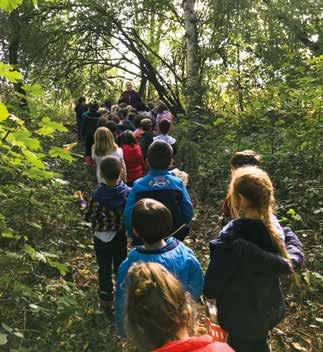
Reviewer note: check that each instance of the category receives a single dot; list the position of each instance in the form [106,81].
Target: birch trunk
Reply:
[193,91]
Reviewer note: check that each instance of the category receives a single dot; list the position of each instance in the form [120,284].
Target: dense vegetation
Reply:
[238,74]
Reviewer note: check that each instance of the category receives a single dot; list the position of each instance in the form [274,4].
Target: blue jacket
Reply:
[166,188]
[175,257]
[243,277]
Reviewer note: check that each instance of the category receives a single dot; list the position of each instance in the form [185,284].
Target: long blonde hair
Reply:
[157,306]
[104,143]
[255,186]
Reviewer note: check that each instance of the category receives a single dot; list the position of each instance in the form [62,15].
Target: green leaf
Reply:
[9,5]
[34,90]
[34,159]
[57,152]
[23,139]
[35,173]
[62,268]
[18,334]
[3,339]
[4,114]
[9,73]
[48,127]
[34,307]
[7,328]
[219,122]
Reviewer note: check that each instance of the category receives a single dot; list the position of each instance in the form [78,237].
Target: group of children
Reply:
[159,280]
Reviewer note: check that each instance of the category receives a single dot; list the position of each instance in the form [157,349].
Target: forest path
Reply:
[291,335]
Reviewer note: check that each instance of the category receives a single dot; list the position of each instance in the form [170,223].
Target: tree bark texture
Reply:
[193,91]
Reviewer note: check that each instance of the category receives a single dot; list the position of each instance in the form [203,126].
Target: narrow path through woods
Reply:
[206,226]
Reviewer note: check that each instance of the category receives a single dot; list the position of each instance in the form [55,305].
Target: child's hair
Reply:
[128,137]
[115,118]
[132,116]
[157,306]
[123,105]
[122,113]
[81,100]
[255,186]
[160,155]
[151,220]
[104,142]
[164,126]
[103,111]
[94,106]
[161,107]
[112,126]
[150,105]
[146,125]
[138,119]
[110,168]
[103,120]
[114,109]
[245,158]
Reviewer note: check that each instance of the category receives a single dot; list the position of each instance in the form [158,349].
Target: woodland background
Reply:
[237,73]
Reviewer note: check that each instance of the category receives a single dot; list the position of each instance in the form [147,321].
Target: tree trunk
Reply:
[193,82]
[13,50]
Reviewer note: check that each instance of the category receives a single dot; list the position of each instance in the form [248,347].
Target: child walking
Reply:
[160,315]
[134,161]
[152,222]
[293,244]
[164,128]
[163,186]
[147,137]
[105,145]
[105,212]
[243,280]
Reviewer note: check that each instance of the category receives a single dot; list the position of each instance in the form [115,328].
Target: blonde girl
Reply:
[105,145]
[159,313]
[246,262]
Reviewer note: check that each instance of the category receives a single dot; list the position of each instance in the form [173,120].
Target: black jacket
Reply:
[243,277]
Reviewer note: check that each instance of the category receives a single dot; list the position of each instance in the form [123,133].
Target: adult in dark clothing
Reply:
[80,108]
[89,127]
[131,97]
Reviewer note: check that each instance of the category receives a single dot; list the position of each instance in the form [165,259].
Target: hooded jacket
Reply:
[134,161]
[175,257]
[105,209]
[166,188]
[195,344]
[243,277]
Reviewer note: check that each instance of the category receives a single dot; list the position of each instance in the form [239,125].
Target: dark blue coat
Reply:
[243,277]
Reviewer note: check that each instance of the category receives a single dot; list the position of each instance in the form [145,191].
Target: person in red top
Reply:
[133,158]
[159,313]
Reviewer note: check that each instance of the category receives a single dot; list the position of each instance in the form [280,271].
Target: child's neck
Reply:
[157,245]
[250,214]
[111,183]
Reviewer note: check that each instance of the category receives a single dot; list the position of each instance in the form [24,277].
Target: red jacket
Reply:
[134,162]
[195,344]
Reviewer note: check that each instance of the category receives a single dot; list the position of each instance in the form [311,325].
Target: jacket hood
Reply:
[250,230]
[111,196]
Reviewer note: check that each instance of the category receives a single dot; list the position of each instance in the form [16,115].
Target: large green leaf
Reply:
[9,73]
[57,152]
[48,127]
[4,114]
[23,139]
[9,5]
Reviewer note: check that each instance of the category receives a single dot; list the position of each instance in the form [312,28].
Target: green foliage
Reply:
[9,5]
